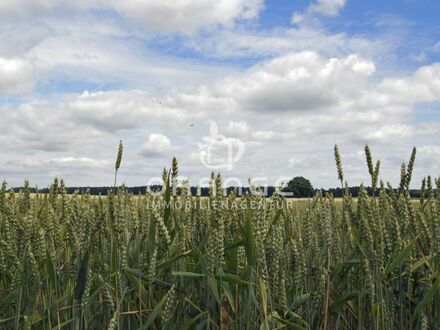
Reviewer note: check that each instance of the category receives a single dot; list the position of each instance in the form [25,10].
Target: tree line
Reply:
[299,187]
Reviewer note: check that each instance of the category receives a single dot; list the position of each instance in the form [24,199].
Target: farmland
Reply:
[148,262]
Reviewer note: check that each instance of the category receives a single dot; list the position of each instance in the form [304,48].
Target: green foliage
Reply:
[300,187]
[140,262]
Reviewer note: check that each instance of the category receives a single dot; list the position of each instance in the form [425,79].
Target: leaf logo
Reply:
[219,152]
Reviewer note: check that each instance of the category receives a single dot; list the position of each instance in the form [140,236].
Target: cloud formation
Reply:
[320,8]
[157,144]
[16,76]
[292,101]
[185,16]
[156,75]
[327,7]
[300,82]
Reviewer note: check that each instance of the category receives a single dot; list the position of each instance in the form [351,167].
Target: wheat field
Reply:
[223,262]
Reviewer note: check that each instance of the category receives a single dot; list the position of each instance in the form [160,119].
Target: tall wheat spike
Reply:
[224,262]
[118,160]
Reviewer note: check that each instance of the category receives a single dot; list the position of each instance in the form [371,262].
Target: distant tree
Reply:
[300,187]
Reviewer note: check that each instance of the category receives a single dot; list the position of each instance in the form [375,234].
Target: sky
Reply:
[277,82]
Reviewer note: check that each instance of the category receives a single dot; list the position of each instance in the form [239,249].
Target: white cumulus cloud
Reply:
[156,145]
[299,82]
[327,7]
[16,76]
[185,16]
[422,86]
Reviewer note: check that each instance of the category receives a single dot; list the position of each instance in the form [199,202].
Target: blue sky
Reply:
[288,79]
